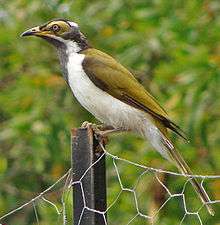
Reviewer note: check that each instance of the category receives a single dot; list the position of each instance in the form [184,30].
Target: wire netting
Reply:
[138,210]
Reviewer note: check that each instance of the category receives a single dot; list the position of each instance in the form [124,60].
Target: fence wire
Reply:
[61,211]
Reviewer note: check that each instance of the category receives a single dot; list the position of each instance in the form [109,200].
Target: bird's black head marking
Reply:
[60,32]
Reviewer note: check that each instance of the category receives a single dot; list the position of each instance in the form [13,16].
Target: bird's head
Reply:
[60,33]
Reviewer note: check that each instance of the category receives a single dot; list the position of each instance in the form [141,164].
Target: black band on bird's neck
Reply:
[77,37]
[83,44]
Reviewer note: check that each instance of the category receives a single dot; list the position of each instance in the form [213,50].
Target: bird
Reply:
[110,92]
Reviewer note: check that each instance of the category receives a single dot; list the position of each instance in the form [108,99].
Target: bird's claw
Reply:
[99,131]
[102,131]
[94,126]
[98,134]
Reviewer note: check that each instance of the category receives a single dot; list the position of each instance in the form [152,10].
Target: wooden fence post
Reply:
[86,152]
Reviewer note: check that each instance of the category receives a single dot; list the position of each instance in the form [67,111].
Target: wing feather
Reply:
[110,76]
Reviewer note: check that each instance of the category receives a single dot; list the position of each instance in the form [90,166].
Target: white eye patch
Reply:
[72,24]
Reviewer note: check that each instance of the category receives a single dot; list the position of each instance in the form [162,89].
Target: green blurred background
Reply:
[172,47]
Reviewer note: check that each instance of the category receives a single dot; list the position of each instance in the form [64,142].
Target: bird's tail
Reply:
[184,168]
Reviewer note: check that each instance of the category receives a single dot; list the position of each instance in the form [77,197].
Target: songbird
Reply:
[111,93]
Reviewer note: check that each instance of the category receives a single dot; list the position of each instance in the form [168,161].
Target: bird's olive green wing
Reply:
[113,78]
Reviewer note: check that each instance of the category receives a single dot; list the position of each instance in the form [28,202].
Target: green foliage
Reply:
[175,45]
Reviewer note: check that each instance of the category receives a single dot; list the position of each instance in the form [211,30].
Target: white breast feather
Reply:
[106,108]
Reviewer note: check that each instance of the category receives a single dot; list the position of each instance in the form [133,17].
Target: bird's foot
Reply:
[98,134]
[102,135]
[94,126]
[97,127]
[105,131]
[85,124]
[102,131]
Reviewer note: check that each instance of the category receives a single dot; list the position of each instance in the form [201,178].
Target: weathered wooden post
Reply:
[85,152]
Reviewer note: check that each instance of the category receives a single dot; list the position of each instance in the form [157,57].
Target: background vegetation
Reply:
[172,46]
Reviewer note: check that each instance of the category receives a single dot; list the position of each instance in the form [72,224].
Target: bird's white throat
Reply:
[72,47]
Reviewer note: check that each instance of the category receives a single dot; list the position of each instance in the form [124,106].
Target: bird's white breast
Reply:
[103,106]
[106,108]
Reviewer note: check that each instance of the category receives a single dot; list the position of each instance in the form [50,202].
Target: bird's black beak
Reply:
[36,31]
[31,32]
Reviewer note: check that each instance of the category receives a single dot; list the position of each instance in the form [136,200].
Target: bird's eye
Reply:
[55,28]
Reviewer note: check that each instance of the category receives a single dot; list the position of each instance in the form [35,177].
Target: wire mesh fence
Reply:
[142,212]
